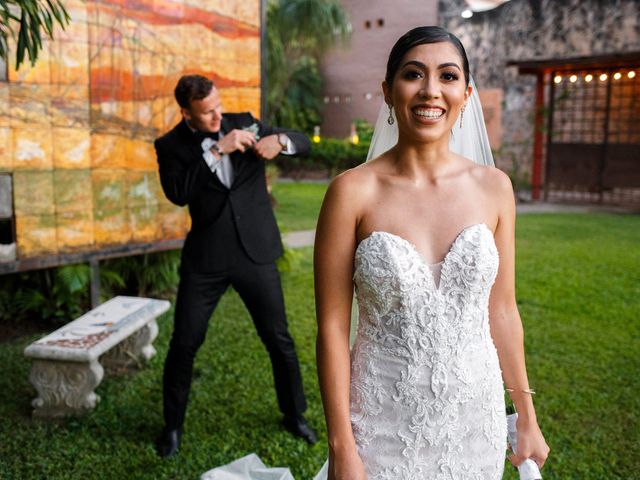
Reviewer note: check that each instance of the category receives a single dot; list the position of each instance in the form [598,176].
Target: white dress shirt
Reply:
[222,167]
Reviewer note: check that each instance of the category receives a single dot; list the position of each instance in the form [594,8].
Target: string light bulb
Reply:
[631,74]
[617,76]
[588,78]
[573,78]
[557,79]
[603,77]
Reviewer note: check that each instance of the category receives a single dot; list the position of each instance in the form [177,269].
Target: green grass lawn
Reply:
[298,204]
[579,295]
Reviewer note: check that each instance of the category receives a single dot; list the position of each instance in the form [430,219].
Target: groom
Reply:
[215,164]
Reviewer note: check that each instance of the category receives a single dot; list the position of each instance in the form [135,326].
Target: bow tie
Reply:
[202,135]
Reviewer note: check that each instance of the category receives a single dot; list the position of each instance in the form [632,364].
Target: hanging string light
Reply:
[588,78]
[573,78]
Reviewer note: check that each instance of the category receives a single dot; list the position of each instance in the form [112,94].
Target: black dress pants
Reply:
[198,294]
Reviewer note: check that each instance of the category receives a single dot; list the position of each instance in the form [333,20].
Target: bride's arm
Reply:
[333,271]
[507,331]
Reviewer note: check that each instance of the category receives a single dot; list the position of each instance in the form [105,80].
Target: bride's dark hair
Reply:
[421,36]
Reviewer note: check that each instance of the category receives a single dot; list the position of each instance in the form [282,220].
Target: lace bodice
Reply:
[426,390]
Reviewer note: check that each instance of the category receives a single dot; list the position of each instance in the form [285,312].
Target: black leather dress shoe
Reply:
[168,442]
[299,427]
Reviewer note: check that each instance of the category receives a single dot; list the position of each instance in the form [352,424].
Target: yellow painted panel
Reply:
[32,149]
[74,231]
[108,151]
[29,105]
[71,148]
[111,227]
[36,235]
[70,106]
[6,156]
[40,72]
[173,222]
[140,155]
[144,223]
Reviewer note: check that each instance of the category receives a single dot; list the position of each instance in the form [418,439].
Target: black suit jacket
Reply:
[187,180]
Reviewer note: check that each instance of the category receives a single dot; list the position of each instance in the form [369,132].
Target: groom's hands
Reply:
[241,140]
[268,147]
[236,140]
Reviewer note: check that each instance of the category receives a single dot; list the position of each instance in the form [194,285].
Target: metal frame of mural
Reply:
[586,142]
[77,128]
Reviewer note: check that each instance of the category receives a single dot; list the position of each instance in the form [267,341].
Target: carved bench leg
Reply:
[133,351]
[64,388]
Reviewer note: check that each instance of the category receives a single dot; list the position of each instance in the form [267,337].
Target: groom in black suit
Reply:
[214,163]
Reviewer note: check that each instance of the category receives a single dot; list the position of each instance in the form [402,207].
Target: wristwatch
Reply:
[283,140]
[217,148]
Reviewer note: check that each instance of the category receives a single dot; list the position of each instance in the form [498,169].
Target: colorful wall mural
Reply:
[77,128]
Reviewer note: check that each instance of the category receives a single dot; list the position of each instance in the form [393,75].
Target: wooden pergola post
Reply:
[538,138]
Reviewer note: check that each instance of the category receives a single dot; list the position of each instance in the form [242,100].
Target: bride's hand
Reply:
[531,444]
[346,466]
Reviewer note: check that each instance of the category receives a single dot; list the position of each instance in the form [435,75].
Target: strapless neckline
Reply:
[442,262]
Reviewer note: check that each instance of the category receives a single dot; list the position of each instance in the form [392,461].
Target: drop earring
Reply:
[390,120]
[461,115]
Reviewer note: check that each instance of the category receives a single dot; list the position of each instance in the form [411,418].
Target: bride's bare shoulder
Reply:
[492,180]
[357,183]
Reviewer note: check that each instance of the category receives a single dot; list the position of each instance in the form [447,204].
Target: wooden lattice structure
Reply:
[587,136]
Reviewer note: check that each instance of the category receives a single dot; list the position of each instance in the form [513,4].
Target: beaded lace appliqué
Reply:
[426,389]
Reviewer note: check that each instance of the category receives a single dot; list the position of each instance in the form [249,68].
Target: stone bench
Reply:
[68,363]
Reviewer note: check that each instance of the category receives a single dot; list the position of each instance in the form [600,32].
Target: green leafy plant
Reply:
[30,18]
[151,274]
[332,155]
[298,32]
[54,295]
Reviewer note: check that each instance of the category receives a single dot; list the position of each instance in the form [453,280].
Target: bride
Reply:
[427,238]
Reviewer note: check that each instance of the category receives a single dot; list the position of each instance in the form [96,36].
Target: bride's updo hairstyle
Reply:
[421,36]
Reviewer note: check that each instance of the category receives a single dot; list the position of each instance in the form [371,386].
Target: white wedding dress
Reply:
[427,397]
